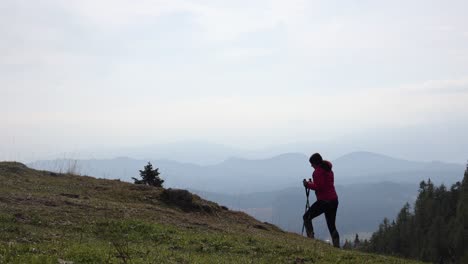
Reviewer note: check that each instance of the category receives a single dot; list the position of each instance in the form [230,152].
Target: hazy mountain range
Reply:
[411,143]
[238,175]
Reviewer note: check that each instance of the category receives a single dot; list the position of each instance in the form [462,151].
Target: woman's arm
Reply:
[317,184]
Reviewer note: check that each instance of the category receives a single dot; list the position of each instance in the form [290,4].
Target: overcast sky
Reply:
[98,73]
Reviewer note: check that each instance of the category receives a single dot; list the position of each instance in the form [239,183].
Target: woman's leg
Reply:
[330,216]
[315,210]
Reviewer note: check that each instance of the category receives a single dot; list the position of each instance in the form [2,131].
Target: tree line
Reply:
[435,231]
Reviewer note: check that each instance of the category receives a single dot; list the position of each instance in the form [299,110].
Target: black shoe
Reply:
[336,239]
[309,231]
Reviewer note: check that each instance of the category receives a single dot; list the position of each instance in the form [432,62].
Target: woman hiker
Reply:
[327,200]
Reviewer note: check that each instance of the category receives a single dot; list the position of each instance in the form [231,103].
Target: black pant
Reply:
[318,208]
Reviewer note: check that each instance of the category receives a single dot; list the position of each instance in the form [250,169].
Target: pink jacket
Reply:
[323,182]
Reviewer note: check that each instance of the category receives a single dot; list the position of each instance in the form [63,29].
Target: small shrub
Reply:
[149,176]
[179,197]
[187,201]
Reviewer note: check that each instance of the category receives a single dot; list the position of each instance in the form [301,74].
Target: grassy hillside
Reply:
[56,218]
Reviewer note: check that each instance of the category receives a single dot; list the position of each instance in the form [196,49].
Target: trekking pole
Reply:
[306,207]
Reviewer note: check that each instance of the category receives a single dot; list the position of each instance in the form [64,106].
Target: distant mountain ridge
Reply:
[238,175]
[371,167]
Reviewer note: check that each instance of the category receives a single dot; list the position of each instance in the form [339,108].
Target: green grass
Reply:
[48,218]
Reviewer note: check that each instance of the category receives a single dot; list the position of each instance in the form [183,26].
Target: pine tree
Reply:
[423,215]
[365,245]
[404,234]
[347,244]
[461,248]
[149,176]
[437,232]
[357,242]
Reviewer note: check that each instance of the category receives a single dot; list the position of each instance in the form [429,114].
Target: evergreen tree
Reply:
[149,176]
[347,244]
[403,231]
[436,232]
[461,237]
[357,243]
[365,244]
[422,219]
